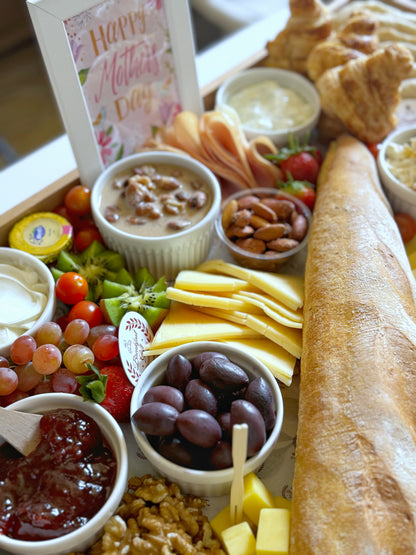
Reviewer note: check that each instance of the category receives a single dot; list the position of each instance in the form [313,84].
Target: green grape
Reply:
[28,377]
[76,357]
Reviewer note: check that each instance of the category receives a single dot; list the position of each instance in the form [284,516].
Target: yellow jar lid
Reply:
[44,234]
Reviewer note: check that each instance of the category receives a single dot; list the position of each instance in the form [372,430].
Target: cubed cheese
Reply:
[273,532]
[256,497]
[239,540]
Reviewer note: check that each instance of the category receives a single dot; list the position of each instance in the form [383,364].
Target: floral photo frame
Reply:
[119,70]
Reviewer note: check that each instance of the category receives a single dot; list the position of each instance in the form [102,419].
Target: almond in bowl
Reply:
[263,228]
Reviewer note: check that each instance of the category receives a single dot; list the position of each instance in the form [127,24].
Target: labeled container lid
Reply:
[43,234]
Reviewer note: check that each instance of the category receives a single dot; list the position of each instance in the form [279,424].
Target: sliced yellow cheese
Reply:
[288,289]
[280,363]
[288,338]
[273,532]
[412,260]
[222,302]
[282,503]
[410,246]
[191,280]
[184,324]
[273,304]
[239,540]
[269,312]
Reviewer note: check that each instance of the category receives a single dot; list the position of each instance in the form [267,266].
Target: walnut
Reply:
[157,519]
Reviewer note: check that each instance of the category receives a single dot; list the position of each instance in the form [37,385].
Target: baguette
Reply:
[354,488]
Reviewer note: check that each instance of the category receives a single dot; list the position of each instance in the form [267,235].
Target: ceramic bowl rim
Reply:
[261,257]
[283,76]
[100,518]
[22,258]
[390,182]
[158,156]
[158,366]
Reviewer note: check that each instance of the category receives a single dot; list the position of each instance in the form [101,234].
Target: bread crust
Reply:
[354,489]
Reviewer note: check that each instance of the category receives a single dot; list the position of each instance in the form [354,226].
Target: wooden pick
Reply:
[239,454]
[20,429]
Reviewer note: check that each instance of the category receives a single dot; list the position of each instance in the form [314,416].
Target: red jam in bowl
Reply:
[59,486]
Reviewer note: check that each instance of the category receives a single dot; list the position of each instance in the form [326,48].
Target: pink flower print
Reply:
[157,4]
[103,140]
[168,111]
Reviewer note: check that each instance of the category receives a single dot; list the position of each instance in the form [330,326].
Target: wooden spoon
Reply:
[20,429]
[239,454]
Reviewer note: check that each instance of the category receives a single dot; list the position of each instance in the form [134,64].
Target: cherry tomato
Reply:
[88,311]
[302,167]
[63,211]
[407,226]
[71,288]
[85,237]
[77,200]
[374,148]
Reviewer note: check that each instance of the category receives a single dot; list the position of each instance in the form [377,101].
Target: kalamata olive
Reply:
[198,395]
[259,393]
[223,374]
[224,420]
[199,359]
[165,394]
[156,418]
[221,456]
[199,427]
[178,372]
[243,411]
[176,450]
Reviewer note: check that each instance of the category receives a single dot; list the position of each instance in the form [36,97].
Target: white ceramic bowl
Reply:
[164,255]
[400,196]
[200,482]
[80,539]
[263,262]
[24,260]
[284,78]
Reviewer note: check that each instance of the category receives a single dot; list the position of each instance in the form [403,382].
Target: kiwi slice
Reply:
[143,295]
[96,264]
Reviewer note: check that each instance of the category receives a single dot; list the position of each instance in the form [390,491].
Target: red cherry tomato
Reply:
[77,200]
[85,237]
[302,167]
[88,311]
[71,288]
[407,226]
[374,148]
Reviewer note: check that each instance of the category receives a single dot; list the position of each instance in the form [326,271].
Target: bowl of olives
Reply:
[185,405]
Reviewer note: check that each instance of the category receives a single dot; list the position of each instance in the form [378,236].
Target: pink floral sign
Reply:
[124,61]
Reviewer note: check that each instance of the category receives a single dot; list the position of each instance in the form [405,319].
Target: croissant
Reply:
[308,24]
[364,93]
[356,38]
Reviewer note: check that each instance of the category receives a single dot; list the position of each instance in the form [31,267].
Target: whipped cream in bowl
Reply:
[27,295]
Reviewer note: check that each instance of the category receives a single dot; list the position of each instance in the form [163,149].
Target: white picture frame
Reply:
[51,20]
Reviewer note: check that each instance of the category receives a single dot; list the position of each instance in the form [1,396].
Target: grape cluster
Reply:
[52,359]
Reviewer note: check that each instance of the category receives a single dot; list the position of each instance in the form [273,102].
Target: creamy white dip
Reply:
[23,298]
[267,106]
[401,161]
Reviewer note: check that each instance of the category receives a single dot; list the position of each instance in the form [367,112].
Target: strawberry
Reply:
[301,162]
[109,387]
[303,190]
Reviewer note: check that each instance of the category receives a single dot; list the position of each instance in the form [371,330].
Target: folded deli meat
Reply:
[354,487]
